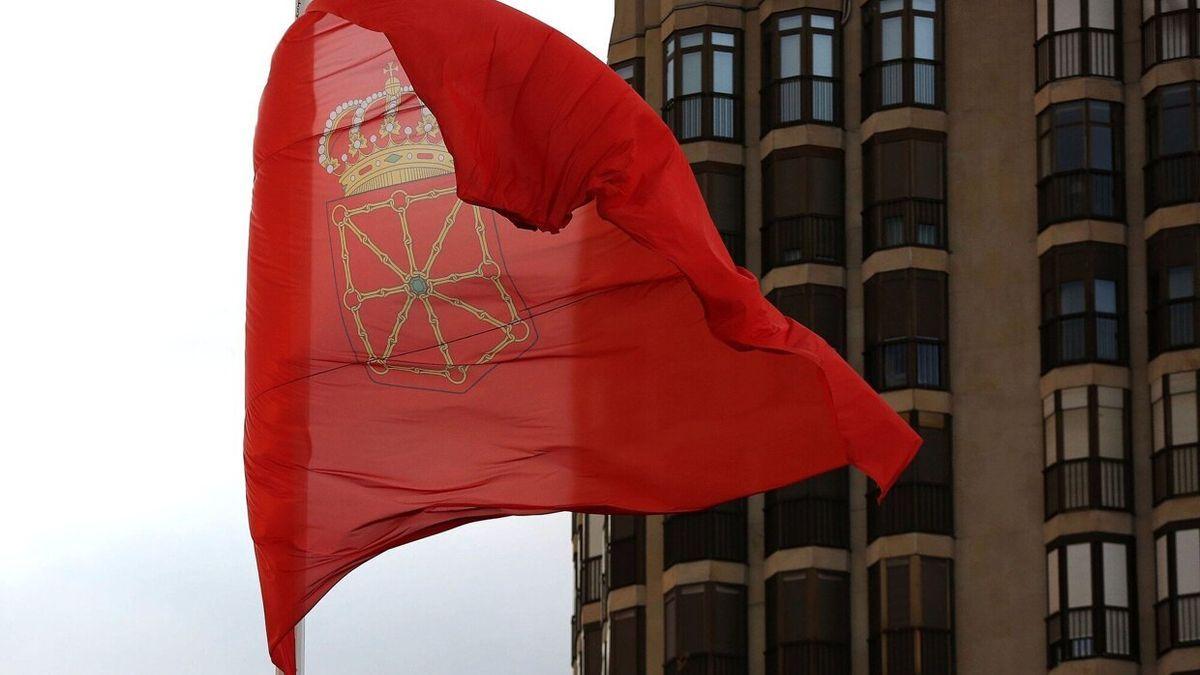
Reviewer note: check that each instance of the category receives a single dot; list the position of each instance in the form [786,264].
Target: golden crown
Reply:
[385,139]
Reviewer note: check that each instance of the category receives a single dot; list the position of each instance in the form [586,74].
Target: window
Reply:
[1172,255]
[1177,576]
[626,551]
[633,72]
[1077,37]
[723,187]
[593,649]
[902,54]
[904,190]
[808,623]
[716,534]
[814,512]
[910,616]
[1173,166]
[705,629]
[1083,305]
[591,570]
[803,199]
[822,309]
[802,73]
[906,330]
[1091,598]
[1087,443]
[1168,30]
[1080,162]
[1176,460]
[703,84]
[627,642]
[922,500]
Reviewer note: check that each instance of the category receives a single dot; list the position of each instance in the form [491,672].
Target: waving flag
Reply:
[417,359]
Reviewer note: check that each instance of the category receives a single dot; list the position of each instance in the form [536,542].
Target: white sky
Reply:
[125,179]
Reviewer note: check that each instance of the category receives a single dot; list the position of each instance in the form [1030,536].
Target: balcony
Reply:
[1090,483]
[809,658]
[803,239]
[902,82]
[1171,180]
[1176,472]
[1079,195]
[592,579]
[716,534]
[807,521]
[1173,326]
[904,222]
[1167,36]
[801,100]
[911,507]
[697,117]
[1090,632]
[1178,622]
[1083,338]
[907,363]
[1081,52]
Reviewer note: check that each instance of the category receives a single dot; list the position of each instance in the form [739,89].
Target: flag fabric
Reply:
[418,359]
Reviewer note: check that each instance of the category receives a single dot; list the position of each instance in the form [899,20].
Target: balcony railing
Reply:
[1178,622]
[1083,338]
[809,658]
[911,507]
[592,581]
[705,116]
[1176,472]
[901,647]
[1168,36]
[1090,632]
[809,521]
[625,563]
[707,664]
[1079,52]
[803,239]
[1170,180]
[1173,325]
[906,364]
[1079,195]
[904,222]
[903,82]
[802,100]
[1089,483]
[715,534]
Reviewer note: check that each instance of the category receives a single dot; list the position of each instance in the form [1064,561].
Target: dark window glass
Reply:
[808,623]
[1172,171]
[633,72]
[904,194]
[1177,583]
[705,629]
[911,611]
[1168,30]
[1080,162]
[1077,38]
[814,512]
[723,187]
[702,83]
[822,309]
[802,207]
[1083,305]
[627,642]
[1174,415]
[1091,597]
[593,649]
[718,533]
[902,54]
[906,328]
[922,498]
[802,69]
[626,551]
[1172,255]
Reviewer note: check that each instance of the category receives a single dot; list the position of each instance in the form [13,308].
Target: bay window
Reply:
[1172,173]
[705,630]
[1172,255]
[1080,162]
[718,533]
[1083,305]
[904,190]
[802,69]
[627,642]
[906,330]
[1077,37]
[591,559]
[910,616]
[808,623]
[1177,577]
[1168,30]
[626,551]
[593,649]
[1174,414]
[814,512]
[1087,442]
[633,71]
[820,308]
[1091,597]
[723,188]
[902,54]
[702,98]
[803,203]
[922,500]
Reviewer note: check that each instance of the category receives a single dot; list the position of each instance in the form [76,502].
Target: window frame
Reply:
[813,512]
[1059,611]
[638,79]
[1167,628]
[1057,188]
[913,209]
[798,303]
[1171,178]
[811,651]
[911,623]
[638,615]
[1099,258]
[818,237]
[1050,44]
[709,622]
[673,76]
[918,502]
[1164,448]
[773,80]
[878,348]
[873,75]
[1168,250]
[617,555]
[1153,29]
[1058,476]
[681,531]
[732,234]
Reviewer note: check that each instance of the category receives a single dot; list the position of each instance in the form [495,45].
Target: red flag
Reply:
[415,362]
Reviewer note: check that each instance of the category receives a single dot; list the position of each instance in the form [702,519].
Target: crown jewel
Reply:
[385,139]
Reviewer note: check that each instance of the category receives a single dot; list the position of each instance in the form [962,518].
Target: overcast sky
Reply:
[125,178]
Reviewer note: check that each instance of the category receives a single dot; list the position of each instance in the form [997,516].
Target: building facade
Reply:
[992,208]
